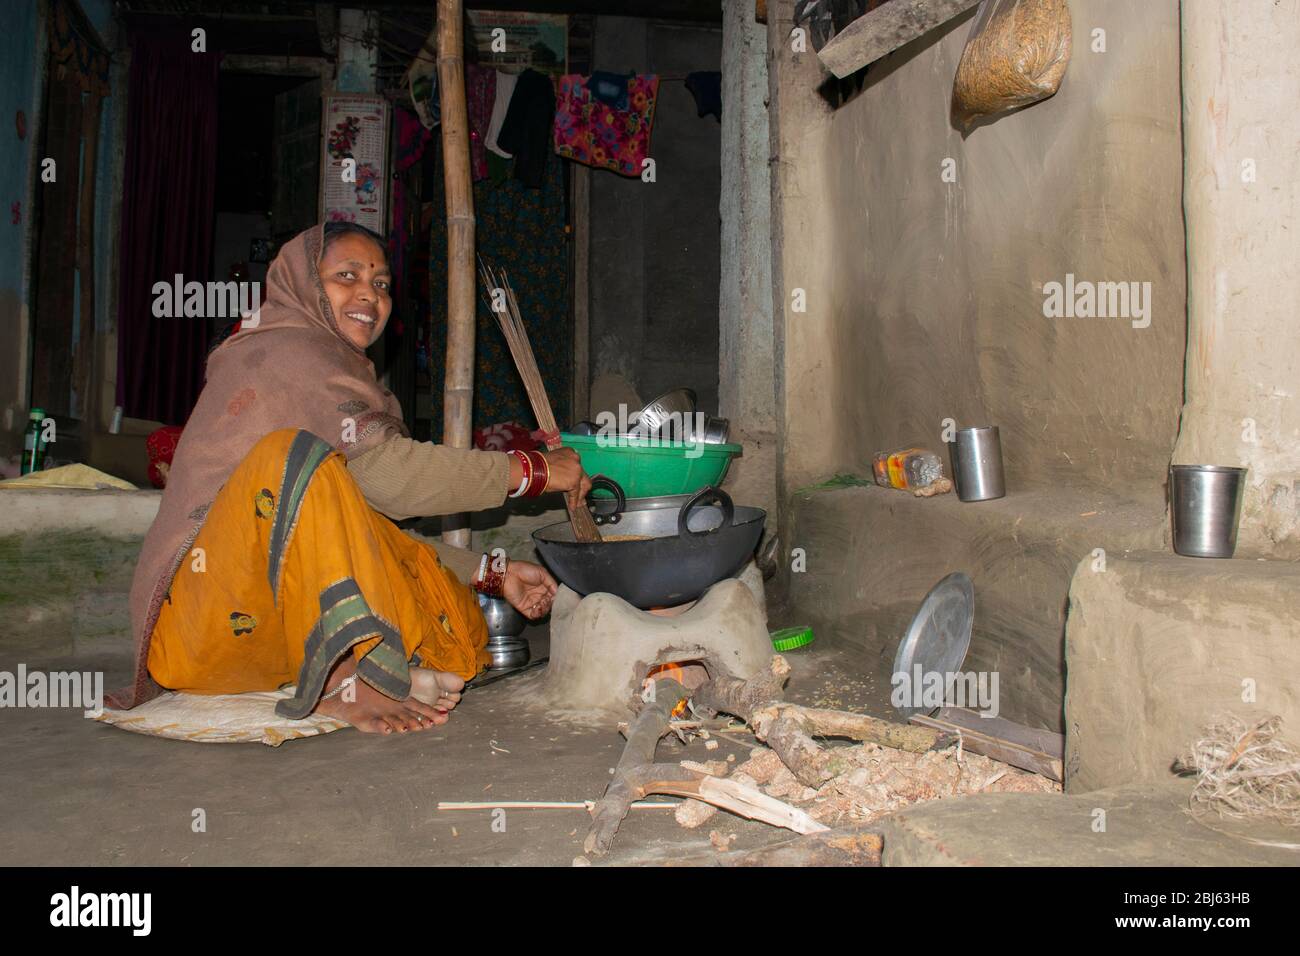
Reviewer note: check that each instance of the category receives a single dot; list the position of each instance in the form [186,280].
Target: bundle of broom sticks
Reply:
[501,302]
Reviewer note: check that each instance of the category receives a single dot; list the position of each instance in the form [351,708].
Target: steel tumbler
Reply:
[976,458]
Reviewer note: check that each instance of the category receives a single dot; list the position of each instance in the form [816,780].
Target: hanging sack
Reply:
[1016,54]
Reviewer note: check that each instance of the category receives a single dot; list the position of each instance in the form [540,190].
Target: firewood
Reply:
[841,723]
[752,701]
[739,798]
[636,765]
[637,776]
[789,728]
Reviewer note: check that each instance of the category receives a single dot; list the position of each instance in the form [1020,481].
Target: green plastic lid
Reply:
[789,638]
[36,414]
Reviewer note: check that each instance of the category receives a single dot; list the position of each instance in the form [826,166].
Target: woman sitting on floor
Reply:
[271,560]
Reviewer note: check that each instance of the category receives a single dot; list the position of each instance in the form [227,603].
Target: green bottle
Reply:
[33,445]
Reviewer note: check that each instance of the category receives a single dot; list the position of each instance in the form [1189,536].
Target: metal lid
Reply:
[939,635]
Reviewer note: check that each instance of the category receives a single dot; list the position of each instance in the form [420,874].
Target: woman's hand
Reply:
[567,474]
[529,588]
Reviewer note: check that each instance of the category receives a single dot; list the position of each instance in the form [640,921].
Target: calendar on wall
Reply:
[354,161]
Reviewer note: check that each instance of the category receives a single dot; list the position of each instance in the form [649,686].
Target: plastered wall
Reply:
[924,257]
[1241,82]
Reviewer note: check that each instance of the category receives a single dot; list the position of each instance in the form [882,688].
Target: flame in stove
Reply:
[673,672]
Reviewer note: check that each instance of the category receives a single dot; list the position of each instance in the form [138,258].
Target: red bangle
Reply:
[539,474]
[527,466]
[492,582]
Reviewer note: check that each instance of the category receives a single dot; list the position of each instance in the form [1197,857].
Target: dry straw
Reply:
[1245,771]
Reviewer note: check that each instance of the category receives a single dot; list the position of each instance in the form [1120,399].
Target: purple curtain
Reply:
[167,222]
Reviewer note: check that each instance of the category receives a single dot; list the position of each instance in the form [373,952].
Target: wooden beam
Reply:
[884,30]
[462,279]
[286,65]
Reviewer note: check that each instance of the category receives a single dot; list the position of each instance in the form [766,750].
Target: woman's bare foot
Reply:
[371,712]
[440,689]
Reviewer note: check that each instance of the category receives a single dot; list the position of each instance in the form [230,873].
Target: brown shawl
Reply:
[294,369]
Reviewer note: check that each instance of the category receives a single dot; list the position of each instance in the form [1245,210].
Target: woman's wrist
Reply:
[491,576]
[530,474]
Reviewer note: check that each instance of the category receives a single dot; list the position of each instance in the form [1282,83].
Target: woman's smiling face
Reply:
[354,273]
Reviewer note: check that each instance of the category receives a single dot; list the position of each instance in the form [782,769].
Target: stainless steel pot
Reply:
[508,653]
[657,413]
[502,618]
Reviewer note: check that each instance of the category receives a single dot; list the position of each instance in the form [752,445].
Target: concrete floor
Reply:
[76,791]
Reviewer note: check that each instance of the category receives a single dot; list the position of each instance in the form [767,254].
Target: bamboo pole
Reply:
[458,385]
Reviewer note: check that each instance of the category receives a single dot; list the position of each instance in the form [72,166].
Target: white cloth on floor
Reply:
[220,718]
[505,89]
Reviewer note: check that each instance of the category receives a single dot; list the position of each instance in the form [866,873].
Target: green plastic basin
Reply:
[648,469]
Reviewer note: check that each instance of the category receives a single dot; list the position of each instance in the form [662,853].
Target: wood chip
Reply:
[692,813]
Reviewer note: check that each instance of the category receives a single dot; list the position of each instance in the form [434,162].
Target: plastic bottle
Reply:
[909,469]
[33,446]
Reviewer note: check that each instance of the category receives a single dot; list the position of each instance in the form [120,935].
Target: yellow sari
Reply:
[292,570]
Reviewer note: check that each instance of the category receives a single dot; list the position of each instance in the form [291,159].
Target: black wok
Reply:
[692,543]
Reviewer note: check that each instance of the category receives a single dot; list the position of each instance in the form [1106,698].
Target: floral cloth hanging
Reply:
[597,134]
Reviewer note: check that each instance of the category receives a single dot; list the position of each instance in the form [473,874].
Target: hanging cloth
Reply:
[480,95]
[505,91]
[706,87]
[526,131]
[596,134]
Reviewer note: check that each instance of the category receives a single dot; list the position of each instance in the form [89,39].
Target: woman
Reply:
[271,560]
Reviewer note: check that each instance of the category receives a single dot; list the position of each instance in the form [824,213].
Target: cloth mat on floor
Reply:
[69,476]
[220,719]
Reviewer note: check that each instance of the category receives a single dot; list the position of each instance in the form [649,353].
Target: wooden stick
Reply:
[739,798]
[458,384]
[1038,751]
[511,322]
[841,723]
[636,764]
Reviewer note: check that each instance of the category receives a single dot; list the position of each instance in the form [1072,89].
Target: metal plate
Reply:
[939,634]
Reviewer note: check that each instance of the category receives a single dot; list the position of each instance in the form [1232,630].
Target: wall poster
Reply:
[354,164]
[536,41]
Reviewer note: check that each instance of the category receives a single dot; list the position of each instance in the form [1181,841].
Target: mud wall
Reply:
[1242,182]
[926,258]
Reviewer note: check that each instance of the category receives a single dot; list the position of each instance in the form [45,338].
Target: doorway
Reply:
[268,171]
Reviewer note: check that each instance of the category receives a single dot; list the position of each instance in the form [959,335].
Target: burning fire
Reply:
[673,672]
